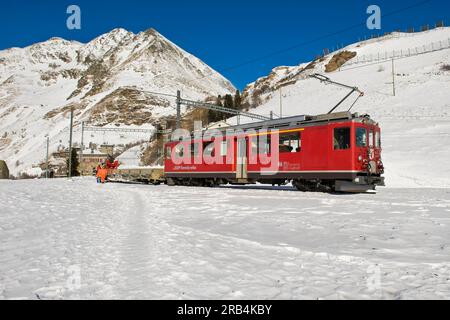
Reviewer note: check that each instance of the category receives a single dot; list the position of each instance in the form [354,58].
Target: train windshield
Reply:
[371,138]
[361,137]
[377,139]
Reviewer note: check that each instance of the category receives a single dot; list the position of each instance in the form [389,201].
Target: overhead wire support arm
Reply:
[325,79]
[205,105]
[104,129]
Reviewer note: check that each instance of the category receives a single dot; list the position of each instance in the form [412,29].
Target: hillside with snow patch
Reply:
[415,123]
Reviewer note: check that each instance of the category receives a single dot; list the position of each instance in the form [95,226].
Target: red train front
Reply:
[334,152]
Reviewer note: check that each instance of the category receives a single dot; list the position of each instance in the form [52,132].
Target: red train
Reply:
[335,152]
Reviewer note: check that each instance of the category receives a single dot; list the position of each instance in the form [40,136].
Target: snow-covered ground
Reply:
[77,239]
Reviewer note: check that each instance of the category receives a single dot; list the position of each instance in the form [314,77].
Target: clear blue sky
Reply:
[224,34]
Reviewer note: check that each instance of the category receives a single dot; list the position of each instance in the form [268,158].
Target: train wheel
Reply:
[209,183]
[314,185]
[300,186]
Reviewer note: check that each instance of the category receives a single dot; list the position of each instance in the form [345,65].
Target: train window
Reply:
[377,139]
[209,148]
[223,148]
[341,138]
[361,137]
[261,145]
[298,146]
[371,143]
[254,145]
[266,145]
[196,149]
[290,143]
[179,150]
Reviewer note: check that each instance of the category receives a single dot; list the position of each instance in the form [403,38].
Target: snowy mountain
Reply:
[415,122]
[102,80]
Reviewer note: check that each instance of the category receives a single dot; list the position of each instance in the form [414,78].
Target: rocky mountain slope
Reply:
[103,81]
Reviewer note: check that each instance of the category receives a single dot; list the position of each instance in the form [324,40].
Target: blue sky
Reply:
[237,38]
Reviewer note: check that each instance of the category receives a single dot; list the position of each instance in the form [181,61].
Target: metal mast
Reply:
[70,143]
[178,124]
[46,157]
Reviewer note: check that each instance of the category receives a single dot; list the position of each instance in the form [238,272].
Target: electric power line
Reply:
[287,49]
[302,44]
[323,37]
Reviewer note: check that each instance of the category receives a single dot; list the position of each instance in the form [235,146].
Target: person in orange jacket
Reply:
[102,174]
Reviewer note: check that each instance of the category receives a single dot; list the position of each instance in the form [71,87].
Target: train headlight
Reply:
[381,166]
[360,158]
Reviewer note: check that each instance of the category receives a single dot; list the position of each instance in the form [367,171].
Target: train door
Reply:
[241,158]
[371,144]
[371,153]
[342,148]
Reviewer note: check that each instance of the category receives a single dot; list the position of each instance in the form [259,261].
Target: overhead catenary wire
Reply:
[204,105]
[305,43]
[210,106]
[418,4]
[283,51]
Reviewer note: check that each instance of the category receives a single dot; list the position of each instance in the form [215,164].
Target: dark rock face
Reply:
[4,172]
[339,60]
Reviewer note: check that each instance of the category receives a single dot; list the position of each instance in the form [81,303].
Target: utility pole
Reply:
[46,158]
[165,139]
[70,143]
[393,77]
[281,103]
[82,148]
[178,123]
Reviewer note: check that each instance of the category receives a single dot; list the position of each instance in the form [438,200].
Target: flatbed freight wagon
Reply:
[147,175]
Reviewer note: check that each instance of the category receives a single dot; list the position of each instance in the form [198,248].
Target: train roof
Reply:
[297,121]
[301,120]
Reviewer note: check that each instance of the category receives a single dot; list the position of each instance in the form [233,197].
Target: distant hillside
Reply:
[102,80]
[415,123]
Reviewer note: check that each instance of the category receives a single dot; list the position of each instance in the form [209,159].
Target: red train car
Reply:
[334,152]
